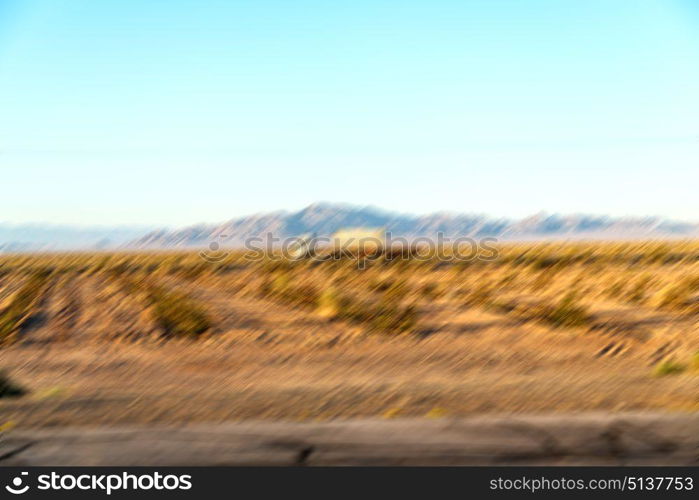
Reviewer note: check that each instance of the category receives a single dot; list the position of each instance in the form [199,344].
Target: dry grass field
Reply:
[101,339]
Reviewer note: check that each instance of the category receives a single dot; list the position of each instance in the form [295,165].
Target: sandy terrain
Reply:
[91,354]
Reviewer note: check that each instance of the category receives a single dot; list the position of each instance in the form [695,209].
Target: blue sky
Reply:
[174,112]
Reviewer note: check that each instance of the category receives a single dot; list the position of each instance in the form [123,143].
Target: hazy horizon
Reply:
[374,209]
[177,113]
[371,207]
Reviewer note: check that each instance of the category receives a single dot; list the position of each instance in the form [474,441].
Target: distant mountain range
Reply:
[324,219]
[35,237]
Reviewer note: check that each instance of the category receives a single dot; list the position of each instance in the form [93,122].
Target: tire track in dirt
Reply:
[58,312]
[444,318]
[633,337]
[68,307]
[261,320]
[32,329]
[36,328]
[647,333]
[614,331]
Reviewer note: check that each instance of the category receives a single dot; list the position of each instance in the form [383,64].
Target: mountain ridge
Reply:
[324,219]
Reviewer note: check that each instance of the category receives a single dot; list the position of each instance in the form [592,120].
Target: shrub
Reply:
[567,312]
[431,290]
[8,389]
[381,285]
[638,291]
[178,314]
[11,319]
[695,361]
[616,289]
[393,318]
[388,315]
[481,295]
[672,297]
[283,288]
[276,284]
[668,367]
[329,303]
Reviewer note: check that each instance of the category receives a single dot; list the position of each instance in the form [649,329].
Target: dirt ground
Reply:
[87,356]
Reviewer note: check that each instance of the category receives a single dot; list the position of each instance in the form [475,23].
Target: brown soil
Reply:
[91,354]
